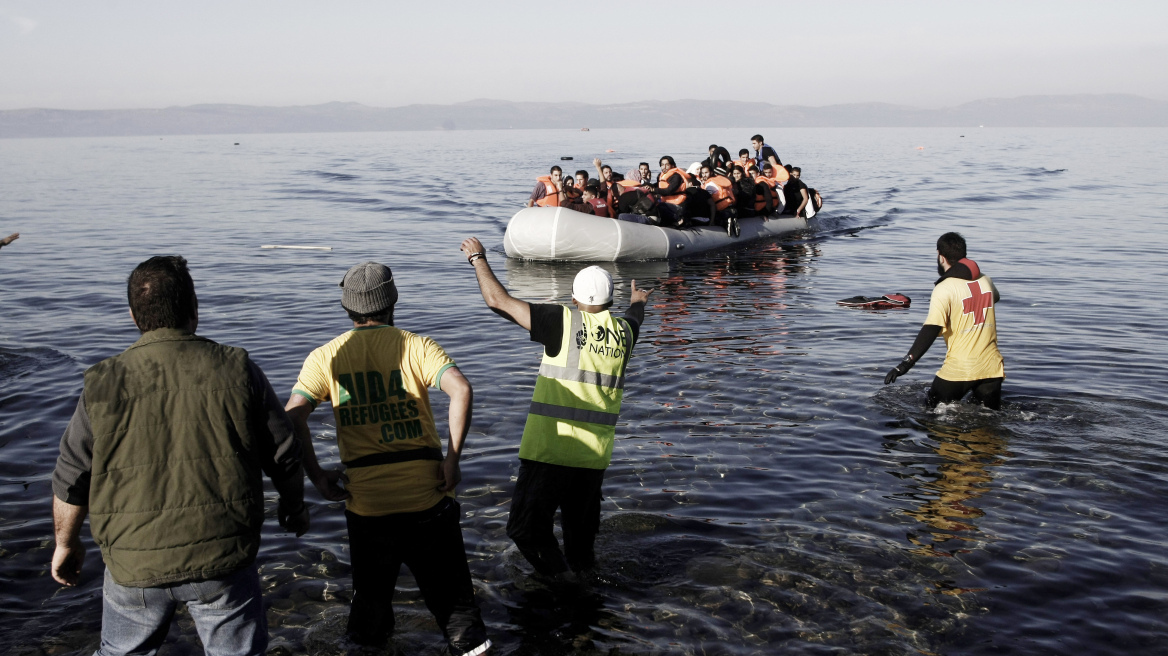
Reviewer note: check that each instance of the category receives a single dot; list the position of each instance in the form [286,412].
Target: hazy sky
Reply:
[114,54]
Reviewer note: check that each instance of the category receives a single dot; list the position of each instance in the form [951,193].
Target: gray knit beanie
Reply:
[368,289]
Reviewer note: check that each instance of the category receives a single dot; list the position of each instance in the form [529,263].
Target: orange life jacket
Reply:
[724,196]
[663,183]
[760,196]
[551,196]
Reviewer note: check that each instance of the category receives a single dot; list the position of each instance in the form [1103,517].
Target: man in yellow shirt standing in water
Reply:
[567,441]
[400,505]
[961,310]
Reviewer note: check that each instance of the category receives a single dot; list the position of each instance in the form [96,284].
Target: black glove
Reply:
[899,370]
[293,519]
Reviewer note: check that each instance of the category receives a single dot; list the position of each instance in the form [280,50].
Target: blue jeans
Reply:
[228,614]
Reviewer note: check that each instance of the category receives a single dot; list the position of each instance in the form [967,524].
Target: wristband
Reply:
[475,256]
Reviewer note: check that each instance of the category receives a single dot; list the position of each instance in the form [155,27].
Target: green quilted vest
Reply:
[176,491]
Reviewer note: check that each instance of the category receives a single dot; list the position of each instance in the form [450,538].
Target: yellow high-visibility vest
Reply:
[578,393]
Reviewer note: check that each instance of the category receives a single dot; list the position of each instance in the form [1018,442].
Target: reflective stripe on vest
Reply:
[578,393]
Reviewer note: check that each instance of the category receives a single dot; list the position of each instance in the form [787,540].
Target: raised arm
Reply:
[458,388]
[637,299]
[495,295]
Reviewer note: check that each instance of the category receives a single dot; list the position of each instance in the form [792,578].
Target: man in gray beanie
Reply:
[399,488]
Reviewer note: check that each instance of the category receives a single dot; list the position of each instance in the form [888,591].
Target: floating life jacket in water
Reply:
[722,190]
[551,194]
[663,183]
[886,302]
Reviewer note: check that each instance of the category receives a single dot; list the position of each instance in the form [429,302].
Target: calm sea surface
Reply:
[767,493]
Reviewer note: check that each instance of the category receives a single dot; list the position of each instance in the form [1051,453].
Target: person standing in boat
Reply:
[764,153]
[549,189]
[568,439]
[961,310]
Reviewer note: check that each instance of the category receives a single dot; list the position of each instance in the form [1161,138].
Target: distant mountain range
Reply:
[1113,110]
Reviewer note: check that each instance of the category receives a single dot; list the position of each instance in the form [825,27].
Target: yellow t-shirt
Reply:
[965,312]
[376,378]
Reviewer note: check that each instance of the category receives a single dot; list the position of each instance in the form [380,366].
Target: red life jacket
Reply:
[600,207]
[972,266]
[551,194]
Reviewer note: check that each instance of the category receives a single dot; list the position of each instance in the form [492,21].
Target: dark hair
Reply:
[583,173]
[554,169]
[952,246]
[707,167]
[788,167]
[796,169]
[712,146]
[767,165]
[161,293]
[667,158]
[606,166]
[385,316]
[593,187]
[758,138]
[744,151]
[644,164]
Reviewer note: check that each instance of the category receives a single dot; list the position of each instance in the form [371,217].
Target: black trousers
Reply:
[430,544]
[539,491]
[987,391]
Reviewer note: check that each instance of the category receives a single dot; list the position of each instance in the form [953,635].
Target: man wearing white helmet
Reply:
[567,442]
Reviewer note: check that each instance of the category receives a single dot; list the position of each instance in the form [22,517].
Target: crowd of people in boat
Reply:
[717,191]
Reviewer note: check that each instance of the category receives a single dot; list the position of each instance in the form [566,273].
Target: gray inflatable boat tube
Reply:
[557,233]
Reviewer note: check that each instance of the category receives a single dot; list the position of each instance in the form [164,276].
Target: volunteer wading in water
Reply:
[961,309]
[567,442]
[400,495]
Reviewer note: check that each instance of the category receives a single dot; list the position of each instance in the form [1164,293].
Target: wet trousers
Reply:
[541,489]
[228,614]
[430,544]
[987,391]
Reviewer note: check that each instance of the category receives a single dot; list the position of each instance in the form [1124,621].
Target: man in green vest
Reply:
[399,492]
[165,453]
[567,442]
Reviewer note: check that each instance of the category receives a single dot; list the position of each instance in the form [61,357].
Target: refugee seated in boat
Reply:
[721,191]
[745,161]
[743,191]
[768,195]
[548,189]
[795,192]
[699,203]
[591,202]
[671,185]
[636,205]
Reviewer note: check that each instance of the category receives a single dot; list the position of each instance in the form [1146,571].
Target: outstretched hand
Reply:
[9,239]
[471,245]
[639,295]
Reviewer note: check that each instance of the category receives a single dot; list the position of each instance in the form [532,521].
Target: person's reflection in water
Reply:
[962,476]
[551,621]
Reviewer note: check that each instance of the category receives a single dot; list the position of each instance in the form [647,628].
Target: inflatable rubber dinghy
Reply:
[557,233]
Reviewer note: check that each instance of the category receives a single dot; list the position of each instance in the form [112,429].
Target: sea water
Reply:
[767,494]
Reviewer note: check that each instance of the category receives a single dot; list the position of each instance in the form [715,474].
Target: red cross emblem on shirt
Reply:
[978,303]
